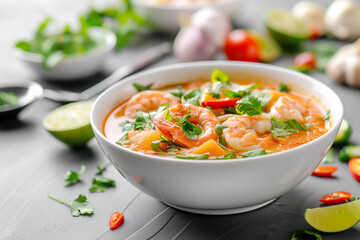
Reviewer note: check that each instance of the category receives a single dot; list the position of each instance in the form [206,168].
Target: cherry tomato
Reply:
[354,167]
[241,46]
[116,219]
[305,60]
[324,171]
[335,198]
[220,103]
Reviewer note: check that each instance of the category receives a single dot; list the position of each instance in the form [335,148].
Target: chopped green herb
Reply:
[214,94]
[178,92]
[254,153]
[100,184]
[298,234]
[78,206]
[327,116]
[352,199]
[230,110]
[207,107]
[72,177]
[170,146]
[141,88]
[219,129]
[229,155]
[241,91]
[198,157]
[283,87]
[123,140]
[101,169]
[249,105]
[329,157]
[192,97]
[263,97]
[284,129]
[222,141]
[8,98]
[219,76]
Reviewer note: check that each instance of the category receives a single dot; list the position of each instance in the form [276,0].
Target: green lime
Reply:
[335,218]
[270,49]
[344,132]
[71,123]
[287,30]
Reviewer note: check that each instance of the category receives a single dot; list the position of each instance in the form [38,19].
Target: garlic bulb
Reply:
[344,66]
[312,13]
[342,19]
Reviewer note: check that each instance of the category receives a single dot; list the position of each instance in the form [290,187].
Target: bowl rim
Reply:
[109,43]
[167,7]
[214,64]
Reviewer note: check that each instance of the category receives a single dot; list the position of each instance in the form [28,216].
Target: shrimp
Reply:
[149,100]
[199,116]
[287,108]
[242,132]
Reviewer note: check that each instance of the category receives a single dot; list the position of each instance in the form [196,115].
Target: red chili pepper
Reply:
[116,219]
[335,198]
[354,167]
[305,60]
[324,171]
[220,103]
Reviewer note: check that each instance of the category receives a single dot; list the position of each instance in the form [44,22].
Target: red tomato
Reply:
[324,171]
[305,60]
[335,198]
[116,219]
[220,103]
[241,46]
[354,167]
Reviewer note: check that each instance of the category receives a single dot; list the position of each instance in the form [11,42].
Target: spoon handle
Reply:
[143,60]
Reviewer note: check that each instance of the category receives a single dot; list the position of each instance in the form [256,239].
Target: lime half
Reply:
[270,49]
[71,123]
[334,218]
[287,30]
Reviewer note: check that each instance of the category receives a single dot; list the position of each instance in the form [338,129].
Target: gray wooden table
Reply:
[33,163]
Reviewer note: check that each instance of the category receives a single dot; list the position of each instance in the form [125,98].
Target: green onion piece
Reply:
[219,76]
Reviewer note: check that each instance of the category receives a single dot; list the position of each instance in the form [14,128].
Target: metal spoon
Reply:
[31,92]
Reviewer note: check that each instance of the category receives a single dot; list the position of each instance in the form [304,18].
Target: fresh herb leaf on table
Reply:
[300,233]
[79,206]
[100,183]
[72,177]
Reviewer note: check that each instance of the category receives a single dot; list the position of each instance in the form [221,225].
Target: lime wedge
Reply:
[270,49]
[335,218]
[287,30]
[344,132]
[71,123]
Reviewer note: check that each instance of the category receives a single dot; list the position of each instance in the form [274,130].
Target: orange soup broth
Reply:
[141,140]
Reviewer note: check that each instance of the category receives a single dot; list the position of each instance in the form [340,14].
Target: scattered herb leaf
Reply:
[219,129]
[123,140]
[283,87]
[284,129]
[79,206]
[100,184]
[229,155]
[141,88]
[198,157]
[327,116]
[254,153]
[299,233]
[72,177]
[192,97]
[101,169]
[249,105]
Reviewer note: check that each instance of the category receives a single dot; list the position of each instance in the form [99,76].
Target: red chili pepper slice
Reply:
[324,171]
[116,219]
[335,198]
[354,167]
[305,60]
[220,103]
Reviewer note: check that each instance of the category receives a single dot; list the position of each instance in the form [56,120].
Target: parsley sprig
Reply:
[79,206]
[286,128]
[72,177]
[190,130]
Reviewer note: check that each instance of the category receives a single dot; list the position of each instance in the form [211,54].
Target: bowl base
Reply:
[222,211]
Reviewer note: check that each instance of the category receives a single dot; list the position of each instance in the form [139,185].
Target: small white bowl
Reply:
[75,66]
[165,18]
[216,186]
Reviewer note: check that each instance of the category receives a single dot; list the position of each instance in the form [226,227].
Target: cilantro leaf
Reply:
[299,233]
[284,129]
[123,140]
[327,116]
[249,105]
[101,169]
[169,146]
[219,128]
[241,91]
[263,97]
[178,92]
[100,184]
[229,155]
[283,87]
[219,76]
[79,206]
[192,97]
[254,153]
[141,88]
[190,130]
[72,177]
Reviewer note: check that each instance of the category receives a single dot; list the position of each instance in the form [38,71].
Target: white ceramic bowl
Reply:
[216,187]
[165,18]
[74,66]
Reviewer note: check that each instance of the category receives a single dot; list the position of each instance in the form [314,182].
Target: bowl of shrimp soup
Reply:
[216,137]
